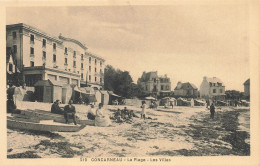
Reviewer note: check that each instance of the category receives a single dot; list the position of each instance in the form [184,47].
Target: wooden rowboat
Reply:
[43,125]
[47,115]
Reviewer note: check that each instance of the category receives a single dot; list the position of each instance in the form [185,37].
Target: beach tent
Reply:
[104,97]
[183,102]
[167,101]
[150,98]
[98,95]
[48,91]
[66,93]
[199,102]
[113,96]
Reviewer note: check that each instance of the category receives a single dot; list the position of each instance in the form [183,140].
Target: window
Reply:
[54,46]
[82,76]
[167,87]
[82,57]
[10,67]
[14,36]
[32,51]
[32,63]
[32,38]
[214,90]
[74,63]
[43,43]
[100,70]
[95,70]
[89,77]
[100,64]
[161,87]
[66,50]
[146,87]
[54,58]
[74,54]
[89,59]
[43,55]
[220,91]
[95,79]
[100,80]
[95,61]
[81,65]
[66,61]
[89,68]
[15,49]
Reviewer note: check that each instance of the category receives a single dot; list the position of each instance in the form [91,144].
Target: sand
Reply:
[181,131]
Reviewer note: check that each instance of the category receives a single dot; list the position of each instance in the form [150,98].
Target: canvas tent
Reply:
[183,102]
[113,96]
[48,91]
[199,102]
[104,97]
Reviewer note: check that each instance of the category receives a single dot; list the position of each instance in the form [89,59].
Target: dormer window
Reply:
[74,54]
[32,38]
[54,46]
[43,42]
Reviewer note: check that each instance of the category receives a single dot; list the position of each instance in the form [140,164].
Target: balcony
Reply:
[31,42]
[32,55]
[65,64]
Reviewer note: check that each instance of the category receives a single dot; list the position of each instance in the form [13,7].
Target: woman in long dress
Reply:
[102,119]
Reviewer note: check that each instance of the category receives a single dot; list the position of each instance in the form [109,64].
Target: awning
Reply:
[92,98]
[79,90]
[112,93]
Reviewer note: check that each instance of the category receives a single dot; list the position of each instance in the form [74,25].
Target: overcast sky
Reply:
[186,42]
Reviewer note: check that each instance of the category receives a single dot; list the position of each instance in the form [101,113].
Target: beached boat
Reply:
[47,115]
[43,125]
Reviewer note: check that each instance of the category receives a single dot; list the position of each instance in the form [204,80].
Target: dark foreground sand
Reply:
[181,131]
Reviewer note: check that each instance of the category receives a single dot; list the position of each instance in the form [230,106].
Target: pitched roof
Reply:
[48,83]
[186,85]
[148,76]
[247,82]
[213,80]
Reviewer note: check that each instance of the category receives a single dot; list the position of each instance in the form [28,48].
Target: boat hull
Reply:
[43,126]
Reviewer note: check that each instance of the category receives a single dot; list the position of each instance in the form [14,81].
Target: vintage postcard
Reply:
[130,83]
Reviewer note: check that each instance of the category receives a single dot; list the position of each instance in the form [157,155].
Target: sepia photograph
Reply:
[127,83]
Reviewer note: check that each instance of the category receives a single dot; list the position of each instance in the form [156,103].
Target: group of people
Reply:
[124,115]
[68,112]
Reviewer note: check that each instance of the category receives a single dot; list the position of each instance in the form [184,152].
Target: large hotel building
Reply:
[40,56]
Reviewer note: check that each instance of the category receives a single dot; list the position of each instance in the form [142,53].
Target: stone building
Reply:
[186,90]
[40,56]
[154,84]
[212,88]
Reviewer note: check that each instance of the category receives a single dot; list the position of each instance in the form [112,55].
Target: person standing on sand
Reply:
[212,111]
[70,111]
[143,110]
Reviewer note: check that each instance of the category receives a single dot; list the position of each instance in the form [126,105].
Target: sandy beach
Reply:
[181,131]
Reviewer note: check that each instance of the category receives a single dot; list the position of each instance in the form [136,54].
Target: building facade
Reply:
[247,88]
[186,90]
[40,56]
[154,84]
[212,88]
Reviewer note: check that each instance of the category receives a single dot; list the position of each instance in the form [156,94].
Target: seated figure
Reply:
[55,108]
[102,119]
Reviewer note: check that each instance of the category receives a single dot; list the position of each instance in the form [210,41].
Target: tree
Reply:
[121,83]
